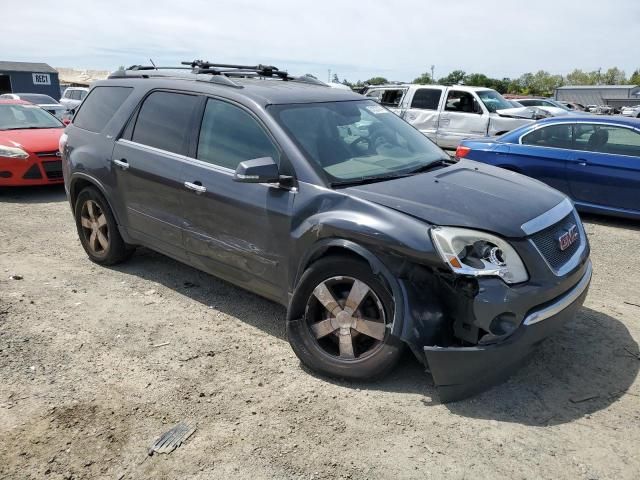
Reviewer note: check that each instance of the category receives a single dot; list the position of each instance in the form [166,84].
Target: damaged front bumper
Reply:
[460,372]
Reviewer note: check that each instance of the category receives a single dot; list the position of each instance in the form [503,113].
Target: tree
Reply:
[635,78]
[377,81]
[478,80]
[335,78]
[453,78]
[424,79]
[614,76]
[541,83]
[578,77]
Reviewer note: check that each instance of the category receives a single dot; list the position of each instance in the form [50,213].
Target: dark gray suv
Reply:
[329,204]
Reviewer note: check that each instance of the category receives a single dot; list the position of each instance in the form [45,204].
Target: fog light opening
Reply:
[503,324]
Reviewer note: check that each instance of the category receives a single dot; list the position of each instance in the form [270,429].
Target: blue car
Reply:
[594,160]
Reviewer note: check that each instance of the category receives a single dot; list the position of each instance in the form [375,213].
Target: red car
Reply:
[29,139]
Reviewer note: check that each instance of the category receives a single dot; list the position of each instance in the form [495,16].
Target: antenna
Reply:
[154,65]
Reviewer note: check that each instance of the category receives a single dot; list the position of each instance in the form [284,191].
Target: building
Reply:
[613,95]
[26,77]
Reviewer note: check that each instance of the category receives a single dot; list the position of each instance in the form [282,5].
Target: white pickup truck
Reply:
[447,115]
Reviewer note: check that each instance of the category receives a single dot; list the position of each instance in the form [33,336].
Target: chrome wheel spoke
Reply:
[346,345]
[371,328]
[102,220]
[359,290]
[324,295]
[86,223]
[93,241]
[323,328]
[90,211]
[102,240]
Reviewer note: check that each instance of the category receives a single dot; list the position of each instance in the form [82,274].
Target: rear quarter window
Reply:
[426,98]
[100,106]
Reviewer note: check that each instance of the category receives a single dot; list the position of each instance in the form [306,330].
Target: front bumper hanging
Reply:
[460,372]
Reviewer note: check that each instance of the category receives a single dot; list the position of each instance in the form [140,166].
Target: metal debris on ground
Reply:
[584,398]
[173,438]
[16,277]
[161,344]
[631,303]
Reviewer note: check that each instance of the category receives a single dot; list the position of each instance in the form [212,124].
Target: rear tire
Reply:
[98,230]
[338,320]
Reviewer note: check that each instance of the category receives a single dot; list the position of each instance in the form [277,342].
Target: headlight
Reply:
[13,152]
[470,252]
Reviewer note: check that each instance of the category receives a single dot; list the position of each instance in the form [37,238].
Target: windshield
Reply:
[558,104]
[37,98]
[493,100]
[357,141]
[17,117]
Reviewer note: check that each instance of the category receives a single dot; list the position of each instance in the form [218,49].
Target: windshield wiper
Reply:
[379,178]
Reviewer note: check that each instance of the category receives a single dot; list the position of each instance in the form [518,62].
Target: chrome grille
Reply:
[547,241]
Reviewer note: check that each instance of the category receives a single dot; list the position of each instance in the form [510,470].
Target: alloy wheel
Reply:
[94,227]
[346,318]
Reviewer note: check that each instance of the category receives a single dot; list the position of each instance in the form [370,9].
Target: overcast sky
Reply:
[357,40]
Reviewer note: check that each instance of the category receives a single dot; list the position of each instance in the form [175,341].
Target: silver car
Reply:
[43,101]
[631,111]
[73,96]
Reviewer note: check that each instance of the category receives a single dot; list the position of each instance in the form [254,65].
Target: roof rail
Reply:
[219,73]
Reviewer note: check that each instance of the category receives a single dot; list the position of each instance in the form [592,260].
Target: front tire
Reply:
[339,318]
[98,230]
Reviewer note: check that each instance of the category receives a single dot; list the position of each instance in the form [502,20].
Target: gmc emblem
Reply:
[568,238]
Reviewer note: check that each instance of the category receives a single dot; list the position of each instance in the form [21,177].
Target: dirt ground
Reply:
[96,363]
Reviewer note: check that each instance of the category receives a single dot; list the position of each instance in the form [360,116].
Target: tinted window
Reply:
[82,94]
[229,135]
[427,98]
[607,139]
[163,121]
[75,94]
[458,101]
[554,136]
[392,98]
[100,107]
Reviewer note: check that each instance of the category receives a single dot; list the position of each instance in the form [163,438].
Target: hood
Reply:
[36,140]
[467,194]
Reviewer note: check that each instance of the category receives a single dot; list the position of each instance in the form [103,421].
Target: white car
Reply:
[631,111]
[43,101]
[73,96]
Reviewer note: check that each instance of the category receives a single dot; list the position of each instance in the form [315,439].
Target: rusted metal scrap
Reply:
[173,438]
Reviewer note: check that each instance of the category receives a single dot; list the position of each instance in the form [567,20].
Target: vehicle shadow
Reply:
[608,221]
[586,367]
[39,194]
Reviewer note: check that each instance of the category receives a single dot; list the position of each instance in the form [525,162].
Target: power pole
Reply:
[432,77]
[329,75]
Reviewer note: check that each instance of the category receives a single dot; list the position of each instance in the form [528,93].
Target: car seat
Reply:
[598,139]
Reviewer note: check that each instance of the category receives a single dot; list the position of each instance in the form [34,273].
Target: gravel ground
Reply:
[96,363]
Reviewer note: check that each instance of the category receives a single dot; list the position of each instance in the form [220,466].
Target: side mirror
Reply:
[258,170]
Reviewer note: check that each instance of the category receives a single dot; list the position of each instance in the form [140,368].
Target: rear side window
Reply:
[163,121]
[229,135]
[100,106]
[553,136]
[426,98]
[607,139]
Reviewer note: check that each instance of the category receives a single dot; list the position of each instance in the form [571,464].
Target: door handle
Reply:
[123,164]
[582,162]
[196,187]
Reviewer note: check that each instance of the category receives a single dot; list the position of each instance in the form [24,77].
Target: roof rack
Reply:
[219,73]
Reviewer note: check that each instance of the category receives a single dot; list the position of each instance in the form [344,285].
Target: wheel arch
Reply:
[79,182]
[335,246]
